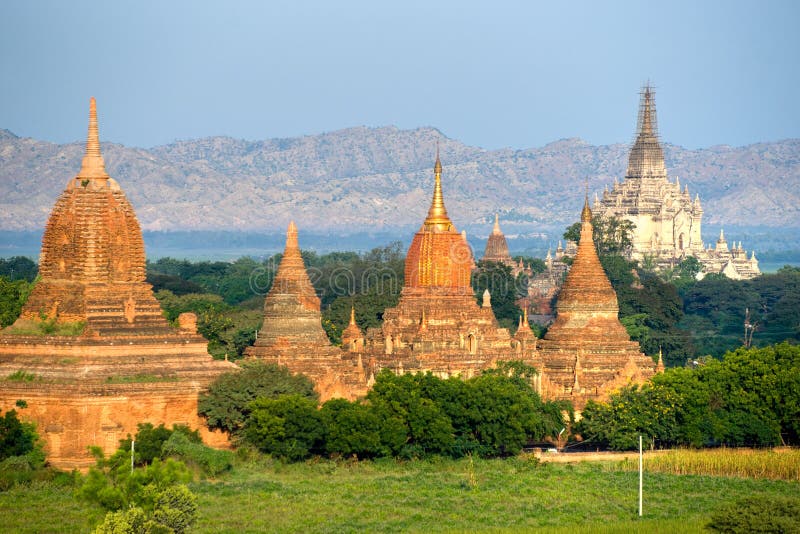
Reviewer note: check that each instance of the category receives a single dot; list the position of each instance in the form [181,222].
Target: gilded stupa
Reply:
[92,336]
[667,222]
[292,333]
[586,352]
[438,325]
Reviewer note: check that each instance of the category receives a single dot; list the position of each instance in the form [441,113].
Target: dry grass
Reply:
[773,464]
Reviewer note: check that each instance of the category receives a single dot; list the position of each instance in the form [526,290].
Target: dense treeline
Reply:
[409,416]
[669,311]
[750,397]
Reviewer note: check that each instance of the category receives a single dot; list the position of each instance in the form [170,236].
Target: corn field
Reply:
[775,464]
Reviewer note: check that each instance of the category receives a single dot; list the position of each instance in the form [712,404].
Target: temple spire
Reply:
[93,165]
[437,218]
[496,230]
[292,246]
[647,125]
[352,315]
[646,159]
[586,213]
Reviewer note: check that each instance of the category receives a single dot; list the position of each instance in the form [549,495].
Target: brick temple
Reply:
[92,350]
[587,353]
[292,333]
[438,325]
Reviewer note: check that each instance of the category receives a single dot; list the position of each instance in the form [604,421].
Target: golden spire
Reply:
[496,230]
[437,218]
[352,315]
[93,165]
[586,213]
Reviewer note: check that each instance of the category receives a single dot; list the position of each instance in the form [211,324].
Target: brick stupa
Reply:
[438,326]
[292,333]
[587,353]
[497,246]
[92,354]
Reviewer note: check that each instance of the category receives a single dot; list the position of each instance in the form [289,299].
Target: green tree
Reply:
[289,426]
[13,295]
[611,235]
[497,278]
[18,268]
[749,398]
[226,404]
[352,429]
[16,437]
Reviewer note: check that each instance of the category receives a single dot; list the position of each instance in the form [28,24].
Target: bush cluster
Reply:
[409,416]
[751,397]
[152,496]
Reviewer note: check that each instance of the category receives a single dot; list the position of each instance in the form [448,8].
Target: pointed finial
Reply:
[487,299]
[291,239]
[647,110]
[93,165]
[437,167]
[660,364]
[496,229]
[586,213]
[352,315]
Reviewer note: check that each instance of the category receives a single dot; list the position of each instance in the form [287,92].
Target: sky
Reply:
[492,74]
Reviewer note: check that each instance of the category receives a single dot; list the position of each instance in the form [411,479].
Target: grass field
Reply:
[515,494]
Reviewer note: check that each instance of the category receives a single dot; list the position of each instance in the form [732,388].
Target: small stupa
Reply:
[292,333]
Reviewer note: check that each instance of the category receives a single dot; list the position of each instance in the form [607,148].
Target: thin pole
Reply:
[133,446]
[641,475]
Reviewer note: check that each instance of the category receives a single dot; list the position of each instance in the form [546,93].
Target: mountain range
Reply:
[373,179]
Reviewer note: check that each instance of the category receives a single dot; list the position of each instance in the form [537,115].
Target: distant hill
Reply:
[379,179]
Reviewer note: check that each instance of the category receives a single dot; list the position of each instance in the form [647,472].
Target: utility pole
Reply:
[641,475]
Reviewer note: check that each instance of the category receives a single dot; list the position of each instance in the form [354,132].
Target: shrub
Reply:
[758,514]
[17,438]
[352,429]
[150,440]
[226,405]
[211,461]
[288,427]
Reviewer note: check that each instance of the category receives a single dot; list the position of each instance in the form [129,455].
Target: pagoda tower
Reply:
[667,222]
[92,334]
[438,325]
[497,246]
[292,333]
[587,353]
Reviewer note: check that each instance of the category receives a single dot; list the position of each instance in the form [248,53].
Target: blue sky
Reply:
[491,74]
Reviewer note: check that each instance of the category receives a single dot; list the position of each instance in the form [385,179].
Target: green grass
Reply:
[21,376]
[46,327]
[436,496]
